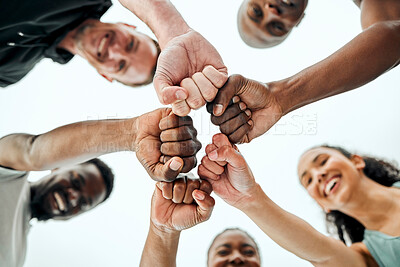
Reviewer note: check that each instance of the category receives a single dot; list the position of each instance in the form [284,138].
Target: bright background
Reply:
[365,120]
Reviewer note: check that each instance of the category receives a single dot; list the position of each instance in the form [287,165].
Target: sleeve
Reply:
[9,174]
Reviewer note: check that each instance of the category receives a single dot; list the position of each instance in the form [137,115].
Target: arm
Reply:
[235,184]
[173,210]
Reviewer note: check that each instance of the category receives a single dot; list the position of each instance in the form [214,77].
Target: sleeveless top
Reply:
[384,248]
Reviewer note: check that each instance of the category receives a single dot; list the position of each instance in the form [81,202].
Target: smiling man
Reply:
[31,31]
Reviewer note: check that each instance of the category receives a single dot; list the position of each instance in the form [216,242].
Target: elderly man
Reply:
[31,31]
[74,187]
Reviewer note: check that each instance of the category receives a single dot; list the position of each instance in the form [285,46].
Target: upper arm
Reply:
[373,11]
[15,152]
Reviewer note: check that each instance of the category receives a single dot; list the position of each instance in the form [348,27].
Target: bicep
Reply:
[374,11]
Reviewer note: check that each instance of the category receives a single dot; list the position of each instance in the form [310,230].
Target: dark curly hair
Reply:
[232,229]
[106,173]
[378,170]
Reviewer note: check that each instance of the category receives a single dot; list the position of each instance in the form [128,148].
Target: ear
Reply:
[302,17]
[358,161]
[106,77]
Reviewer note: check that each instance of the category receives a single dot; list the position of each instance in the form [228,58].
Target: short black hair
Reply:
[106,173]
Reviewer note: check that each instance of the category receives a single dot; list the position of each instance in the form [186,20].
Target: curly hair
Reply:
[345,227]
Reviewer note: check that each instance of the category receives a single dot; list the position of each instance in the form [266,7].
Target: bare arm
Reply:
[68,144]
[366,57]
[161,16]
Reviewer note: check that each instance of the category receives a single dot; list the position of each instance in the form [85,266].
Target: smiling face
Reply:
[67,192]
[233,248]
[117,51]
[330,177]
[266,23]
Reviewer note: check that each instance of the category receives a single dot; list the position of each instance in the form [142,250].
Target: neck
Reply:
[372,204]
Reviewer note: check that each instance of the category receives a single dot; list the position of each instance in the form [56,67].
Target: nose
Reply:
[116,52]
[236,258]
[273,9]
[319,175]
[73,197]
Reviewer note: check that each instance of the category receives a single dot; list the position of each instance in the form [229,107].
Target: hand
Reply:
[227,171]
[172,207]
[166,144]
[189,56]
[261,105]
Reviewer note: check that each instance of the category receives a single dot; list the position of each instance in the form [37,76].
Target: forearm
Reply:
[69,144]
[160,248]
[367,56]
[161,16]
[293,233]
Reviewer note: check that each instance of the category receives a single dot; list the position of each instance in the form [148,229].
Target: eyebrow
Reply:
[246,245]
[224,245]
[313,161]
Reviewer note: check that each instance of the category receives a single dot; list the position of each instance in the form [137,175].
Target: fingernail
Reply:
[159,185]
[198,195]
[180,95]
[242,106]
[218,109]
[248,112]
[213,155]
[250,122]
[175,165]
[235,99]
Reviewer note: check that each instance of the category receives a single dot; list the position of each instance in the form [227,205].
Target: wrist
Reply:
[163,232]
[251,200]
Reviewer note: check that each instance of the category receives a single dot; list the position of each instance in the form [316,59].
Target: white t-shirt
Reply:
[15,215]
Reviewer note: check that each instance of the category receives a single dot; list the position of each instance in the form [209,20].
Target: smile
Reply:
[331,185]
[60,200]
[103,45]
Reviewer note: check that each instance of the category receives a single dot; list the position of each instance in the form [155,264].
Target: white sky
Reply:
[365,120]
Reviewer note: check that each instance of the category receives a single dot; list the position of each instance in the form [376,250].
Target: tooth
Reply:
[102,43]
[59,201]
[329,186]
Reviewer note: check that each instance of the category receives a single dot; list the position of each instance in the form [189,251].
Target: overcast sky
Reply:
[365,120]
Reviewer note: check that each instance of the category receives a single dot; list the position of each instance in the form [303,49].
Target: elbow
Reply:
[32,159]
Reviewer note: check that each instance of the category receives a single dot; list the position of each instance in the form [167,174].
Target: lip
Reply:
[102,45]
[328,183]
[60,203]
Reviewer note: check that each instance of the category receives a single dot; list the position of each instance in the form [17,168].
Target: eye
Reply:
[323,162]
[130,45]
[121,65]
[255,12]
[309,181]
[249,253]
[223,252]
[75,181]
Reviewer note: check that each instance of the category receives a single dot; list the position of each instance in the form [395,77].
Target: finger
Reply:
[224,96]
[166,189]
[191,185]
[167,171]
[205,204]
[169,94]
[207,89]
[240,135]
[210,148]
[212,166]
[220,140]
[180,108]
[204,173]
[230,113]
[205,186]
[182,149]
[228,154]
[178,134]
[188,162]
[174,121]
[178,193]
[217,78]
[195,100]
[234,124]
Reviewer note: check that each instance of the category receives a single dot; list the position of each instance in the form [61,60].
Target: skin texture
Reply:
[163,159]
[116,50]
[233,248]
[266,23]
[170,215]
[236,185]
[81,188]
[185,54]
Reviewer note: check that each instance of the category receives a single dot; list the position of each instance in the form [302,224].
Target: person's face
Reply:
[118,51]
[67,192]
[329,177]
[265,23]
[233,248]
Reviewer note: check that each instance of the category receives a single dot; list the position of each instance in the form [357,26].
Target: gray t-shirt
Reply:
[15,215]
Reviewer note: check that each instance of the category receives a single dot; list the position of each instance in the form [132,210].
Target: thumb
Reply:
[168,93]
[170,170]
[228,154]
[224,96]
[205,204]
[217,77]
